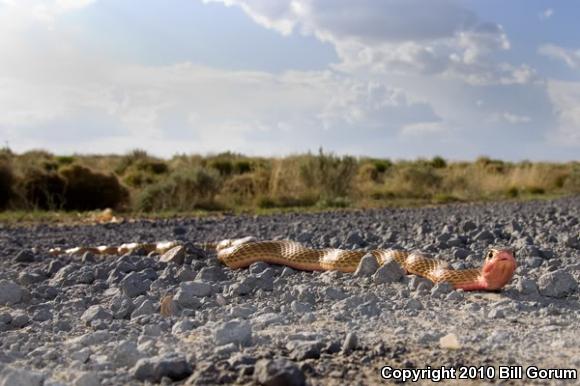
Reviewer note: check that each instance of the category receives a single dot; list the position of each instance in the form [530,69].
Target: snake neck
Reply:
[468,280]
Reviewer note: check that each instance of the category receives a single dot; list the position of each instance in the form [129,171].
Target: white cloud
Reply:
[424,128]
[568,56]
[414,78]
[194,108]
[20,13]
[546,14]
[515,118]
[565,97]
[396,36]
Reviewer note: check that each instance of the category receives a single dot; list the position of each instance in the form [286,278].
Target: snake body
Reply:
[496,271]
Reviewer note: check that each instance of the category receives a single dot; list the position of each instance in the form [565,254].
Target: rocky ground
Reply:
[92,320]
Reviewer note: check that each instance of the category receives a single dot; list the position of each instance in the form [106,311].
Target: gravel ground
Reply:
[93,320]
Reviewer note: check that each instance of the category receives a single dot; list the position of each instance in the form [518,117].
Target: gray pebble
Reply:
[146,308]
[300,307]
[367,266]
[211,274]
[469,226]
[54,266]
[572,241]
[133,285]
[244,311]
[287,271]
[258,267]
[28,278]
[557,284]
[235,331]
[484,235]
[19,320]
[534,261]
[24,256]
[439,290]
[461,253]
[354,238]
[66,276]
[87,378]
[183,326]
[454,296]
[95,312]
[121,306]
[10,293]
[195,288]
[175,255]
[88,257]
[240,359]
[527,287]
[389,272]
[333,293]
[20,377]
[42,314]
[278,372]
[186,300]
[153,369]
[350,343]
[302,350]
[414,305]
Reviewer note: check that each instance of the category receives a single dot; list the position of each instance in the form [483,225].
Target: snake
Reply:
[496,271]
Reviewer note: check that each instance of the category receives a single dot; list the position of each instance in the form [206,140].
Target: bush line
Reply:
[139,182]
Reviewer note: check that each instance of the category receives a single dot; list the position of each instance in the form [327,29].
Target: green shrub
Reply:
[443,198]
[184,190]
[65,160]
[382,165]
[491,165]
[513,192]
[144,172]
[336,202]
[88,190]
[240,189]
[332,176]
[43,190]
[223,166]
[266,202]
[368,172]
[535,190]
[438,162]
[572,182]
[129,159]
[227,167]
[416,180]
[6,184]
[242,166]
[138,179]
[151,166]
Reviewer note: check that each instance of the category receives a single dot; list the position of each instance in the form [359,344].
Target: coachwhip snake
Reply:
[496,271]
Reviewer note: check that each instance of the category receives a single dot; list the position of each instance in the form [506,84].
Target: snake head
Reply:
[498,268]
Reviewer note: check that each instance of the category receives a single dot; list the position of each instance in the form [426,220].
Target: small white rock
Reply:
[449,342]
[174,255]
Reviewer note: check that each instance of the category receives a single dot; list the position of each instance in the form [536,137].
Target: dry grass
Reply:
[35,180]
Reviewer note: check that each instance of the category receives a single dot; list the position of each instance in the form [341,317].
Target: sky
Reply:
[397,79]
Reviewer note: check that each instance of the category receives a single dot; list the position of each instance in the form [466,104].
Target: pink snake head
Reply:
[498,268]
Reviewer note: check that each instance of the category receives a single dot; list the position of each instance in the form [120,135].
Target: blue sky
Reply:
[386,78]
